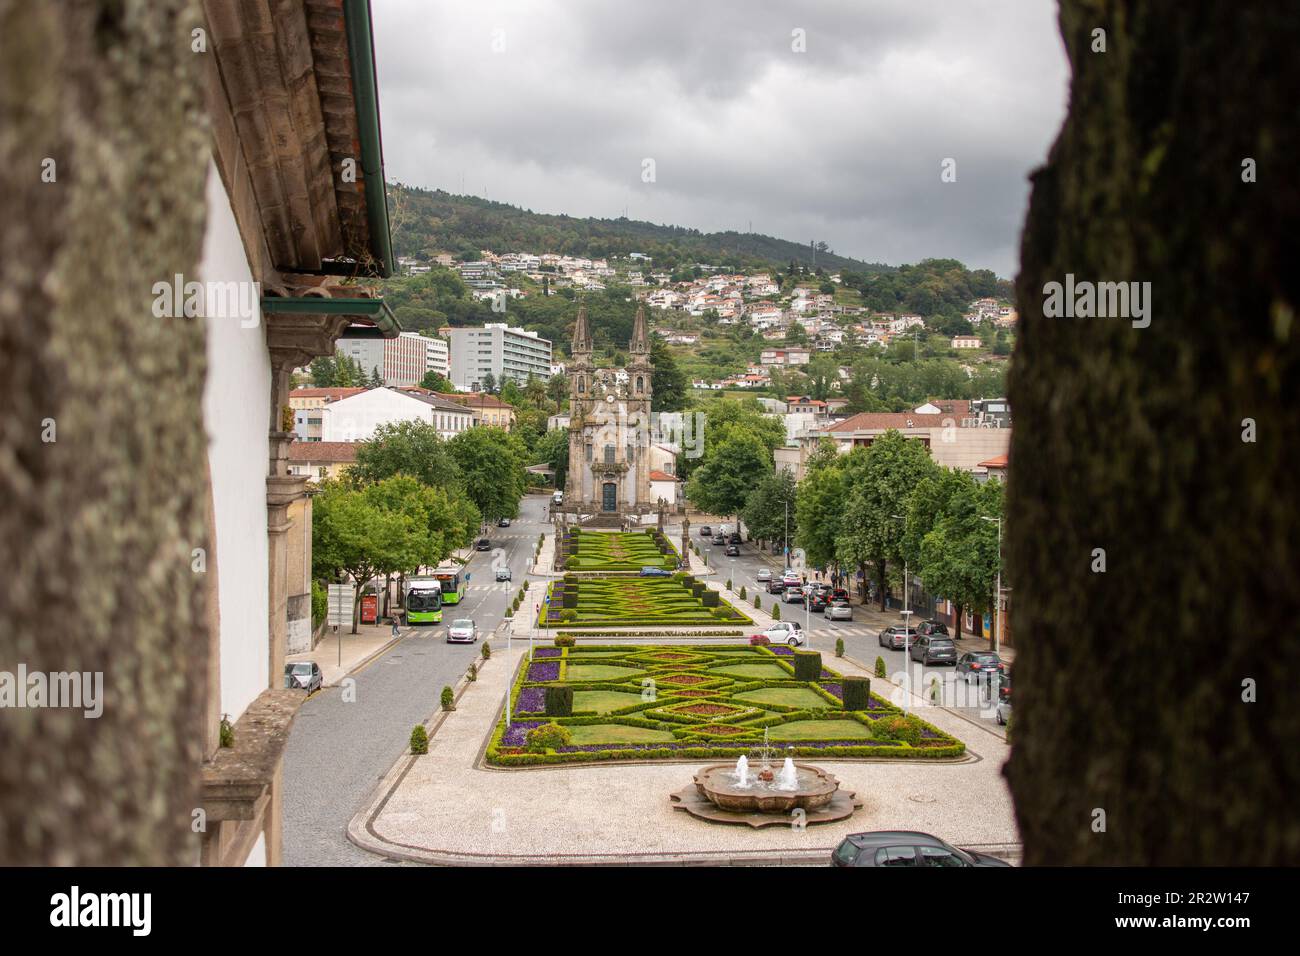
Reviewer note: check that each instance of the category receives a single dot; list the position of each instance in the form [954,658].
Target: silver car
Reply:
[462,631]
[1004,711]
[764,574]
[838,611]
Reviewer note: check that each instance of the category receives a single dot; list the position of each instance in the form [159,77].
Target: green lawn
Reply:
[800,697]
[616,734]
[581,672]
[603,701]
[820,730]
[755,671]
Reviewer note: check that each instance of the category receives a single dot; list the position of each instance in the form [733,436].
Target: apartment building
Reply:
[496,348]
[401,360]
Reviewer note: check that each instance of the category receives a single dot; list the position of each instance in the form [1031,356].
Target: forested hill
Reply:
[425,222]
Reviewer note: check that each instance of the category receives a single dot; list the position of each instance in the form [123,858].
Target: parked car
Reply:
[784,632]
[816,601]
[733,551]
[462,631]
[839,611]
[932,627]
[706,531]
[482,544]
[1003,679]
[1003,711]
[905,848]
[304,675]
[649,571]
[978,665]
[775,587]
[894,636]
[557,498]
[764,574]
[503,574]
[503,523]
[839,594]
[733,538]
[934,649]
[793,594]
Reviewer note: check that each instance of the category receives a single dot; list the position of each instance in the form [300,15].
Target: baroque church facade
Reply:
[609,428]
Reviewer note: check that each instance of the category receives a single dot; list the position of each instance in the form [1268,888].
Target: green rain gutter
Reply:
[361,51]
[374,310]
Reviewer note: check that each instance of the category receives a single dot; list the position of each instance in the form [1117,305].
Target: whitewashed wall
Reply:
[236,411]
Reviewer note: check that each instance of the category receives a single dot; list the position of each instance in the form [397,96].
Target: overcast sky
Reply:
[554,105]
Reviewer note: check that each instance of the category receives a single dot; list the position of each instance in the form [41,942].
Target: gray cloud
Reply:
[553,105]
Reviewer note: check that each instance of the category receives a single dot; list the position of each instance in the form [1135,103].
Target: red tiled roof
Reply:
[333,394]
[327,451]
[869,421]
[656,475]
[999,462]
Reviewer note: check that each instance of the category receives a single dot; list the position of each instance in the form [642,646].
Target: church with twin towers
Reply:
[609,428]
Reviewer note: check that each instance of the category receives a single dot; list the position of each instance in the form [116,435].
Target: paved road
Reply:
[860,636]
[338,751]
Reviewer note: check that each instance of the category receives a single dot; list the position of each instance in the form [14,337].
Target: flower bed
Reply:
[669,715]
[617,551]
[666,603]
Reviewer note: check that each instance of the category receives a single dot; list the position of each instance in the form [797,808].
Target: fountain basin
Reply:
[719,784]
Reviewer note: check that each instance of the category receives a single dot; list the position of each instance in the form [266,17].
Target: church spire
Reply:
[581,334]
[640,341]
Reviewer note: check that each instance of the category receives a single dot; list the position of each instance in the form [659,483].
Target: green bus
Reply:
[423,601]
[452,581]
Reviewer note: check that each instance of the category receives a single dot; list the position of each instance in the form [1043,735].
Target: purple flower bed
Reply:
[531,700]
[738,745]
[544,670]
[547,652]
[781,651]
[835,689]
[516,734]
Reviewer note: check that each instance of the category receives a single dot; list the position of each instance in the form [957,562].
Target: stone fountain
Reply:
[726,793]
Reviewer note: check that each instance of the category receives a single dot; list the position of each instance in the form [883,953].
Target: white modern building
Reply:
[400,361]
[496,348]
[355,418]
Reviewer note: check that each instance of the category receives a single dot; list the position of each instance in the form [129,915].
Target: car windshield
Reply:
[940,642]
[302,669]
[462,624]
[985,658]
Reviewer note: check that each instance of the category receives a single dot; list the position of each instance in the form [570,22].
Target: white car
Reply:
[764,574]
[838,611]
[785,632]
[462,631]
[1003,712]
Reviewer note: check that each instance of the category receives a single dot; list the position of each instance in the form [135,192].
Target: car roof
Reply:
[894,838]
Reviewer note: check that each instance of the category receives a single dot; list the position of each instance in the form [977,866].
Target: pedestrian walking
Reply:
[396,616]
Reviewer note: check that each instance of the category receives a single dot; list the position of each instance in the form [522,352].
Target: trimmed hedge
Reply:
[807,665]
[857,692]
[559,701]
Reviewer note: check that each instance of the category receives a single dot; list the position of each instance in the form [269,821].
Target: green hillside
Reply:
[430,221]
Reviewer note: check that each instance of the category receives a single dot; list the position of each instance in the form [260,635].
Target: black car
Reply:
[775,586]
[706,531]
[905,848]
[733,551]
[978,665]
[817,600]
[934,649]
[734,539]
[932,627]
[483,544]
[894,636]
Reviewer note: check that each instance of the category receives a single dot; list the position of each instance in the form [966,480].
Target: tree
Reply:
[721,485]
[557,390]
[958,556]
[408,447]
[489,383]
[765,510]
[435,382]
[118,494]
[553,449]
[668,384]
[870,532]
[819,503]
[1124,701]
[492,465]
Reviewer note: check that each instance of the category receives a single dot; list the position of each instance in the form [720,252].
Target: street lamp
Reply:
[907,629]
[785,541]
[997,632]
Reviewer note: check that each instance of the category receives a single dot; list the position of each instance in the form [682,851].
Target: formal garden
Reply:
[671,701]
[607,551]
[675,601]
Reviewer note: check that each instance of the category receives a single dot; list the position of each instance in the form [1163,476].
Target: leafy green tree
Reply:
[489,383]
[408,447]
[492,463]
[721,485]
[819,503]
[434,382]
[877,492]
[765,510]
[959,555]
[557,390]
[668,384]
[553,449]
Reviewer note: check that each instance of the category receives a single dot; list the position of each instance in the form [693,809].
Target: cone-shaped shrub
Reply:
[776,611]
[839,647]
[807,665]
[419,740]
[857,693]
[559,701]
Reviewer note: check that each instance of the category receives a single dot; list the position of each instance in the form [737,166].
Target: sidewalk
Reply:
[339,656]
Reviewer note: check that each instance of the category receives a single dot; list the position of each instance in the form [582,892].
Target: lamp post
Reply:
[997,631]
[907,630]
[785,541]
